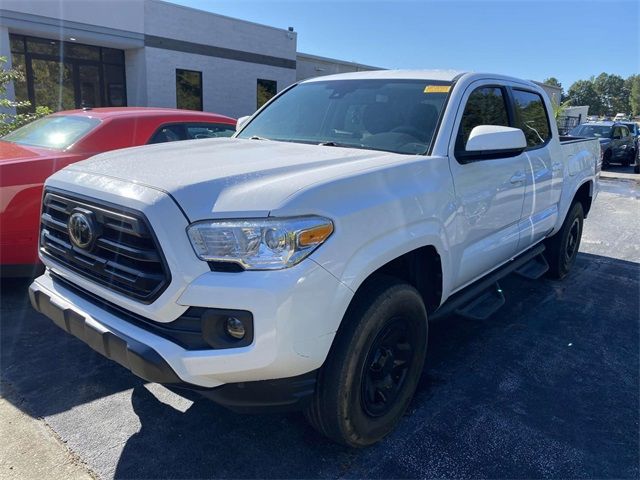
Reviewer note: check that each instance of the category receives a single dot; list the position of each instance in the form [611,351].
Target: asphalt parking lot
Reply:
[546,388]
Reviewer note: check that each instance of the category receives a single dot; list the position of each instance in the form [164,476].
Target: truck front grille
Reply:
[120,252]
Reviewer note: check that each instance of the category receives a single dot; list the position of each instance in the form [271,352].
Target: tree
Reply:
[10,121]
[632,85]
[610,89]
[583,92]
[552,81]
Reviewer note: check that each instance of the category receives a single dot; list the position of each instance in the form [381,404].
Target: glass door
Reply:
[88,86]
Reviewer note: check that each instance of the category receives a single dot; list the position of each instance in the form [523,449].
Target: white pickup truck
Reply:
[296,264]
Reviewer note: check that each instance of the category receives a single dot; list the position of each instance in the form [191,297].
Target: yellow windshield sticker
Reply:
[437,89]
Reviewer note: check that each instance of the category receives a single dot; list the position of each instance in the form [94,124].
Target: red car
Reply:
[32,153]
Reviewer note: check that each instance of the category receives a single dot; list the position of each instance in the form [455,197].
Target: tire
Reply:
[562,249]
[361,393]
[636,169]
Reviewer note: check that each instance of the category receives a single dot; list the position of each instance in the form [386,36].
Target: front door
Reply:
[489,192]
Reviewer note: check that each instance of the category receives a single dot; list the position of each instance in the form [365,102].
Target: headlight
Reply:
[259,244]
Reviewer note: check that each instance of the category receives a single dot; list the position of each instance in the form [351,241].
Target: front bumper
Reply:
[141,359]
[267,395]
[295,315]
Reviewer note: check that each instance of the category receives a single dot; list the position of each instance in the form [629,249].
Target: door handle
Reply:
[518,177]
[557,166]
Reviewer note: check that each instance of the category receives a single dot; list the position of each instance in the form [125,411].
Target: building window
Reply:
[66,75]
[188,89]
[266,90]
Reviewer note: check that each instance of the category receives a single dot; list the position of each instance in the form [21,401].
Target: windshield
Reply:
[56,131]
[600,131]
[398,116]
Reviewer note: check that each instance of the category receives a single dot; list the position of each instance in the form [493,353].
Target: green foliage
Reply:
[583,92]
[11,121]
[632,85]
[552,81]
[559,108]
[610,89]
[607,94]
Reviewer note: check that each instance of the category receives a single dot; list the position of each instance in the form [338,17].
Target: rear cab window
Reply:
[531,117]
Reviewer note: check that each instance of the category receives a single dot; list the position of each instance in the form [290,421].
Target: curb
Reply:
[620,176]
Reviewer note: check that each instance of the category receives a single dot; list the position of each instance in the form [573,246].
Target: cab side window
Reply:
[209,130]
[625,132]
[531,117]
[168,133]
[485,106]
[617,132]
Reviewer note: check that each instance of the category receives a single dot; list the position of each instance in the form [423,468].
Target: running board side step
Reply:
[481,299]
[534,268]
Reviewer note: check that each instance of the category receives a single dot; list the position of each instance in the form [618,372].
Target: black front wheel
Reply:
[374,364]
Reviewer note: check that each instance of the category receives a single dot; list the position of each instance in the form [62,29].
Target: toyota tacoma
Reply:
[295,265]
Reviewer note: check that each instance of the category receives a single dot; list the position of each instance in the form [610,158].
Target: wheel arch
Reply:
[584,195]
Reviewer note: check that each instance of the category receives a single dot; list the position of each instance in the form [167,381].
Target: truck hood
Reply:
[227,178]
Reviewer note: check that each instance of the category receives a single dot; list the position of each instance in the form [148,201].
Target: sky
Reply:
[569,40]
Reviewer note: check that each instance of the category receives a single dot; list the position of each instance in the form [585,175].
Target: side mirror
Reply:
[242,121]
[495,141]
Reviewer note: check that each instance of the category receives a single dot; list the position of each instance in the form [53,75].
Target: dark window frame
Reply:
[201,109]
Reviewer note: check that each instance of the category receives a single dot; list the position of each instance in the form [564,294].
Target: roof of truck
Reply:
[443,75]
[424,75]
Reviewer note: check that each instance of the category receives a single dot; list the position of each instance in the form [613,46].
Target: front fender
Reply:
[389,245]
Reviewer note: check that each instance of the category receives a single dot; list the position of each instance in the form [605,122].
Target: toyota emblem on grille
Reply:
[81,229]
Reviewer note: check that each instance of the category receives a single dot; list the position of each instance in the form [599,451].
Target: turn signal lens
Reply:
[315,235]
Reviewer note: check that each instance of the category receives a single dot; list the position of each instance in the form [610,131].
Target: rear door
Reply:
[544,166]
[490,191]
[627,143]
[617,144]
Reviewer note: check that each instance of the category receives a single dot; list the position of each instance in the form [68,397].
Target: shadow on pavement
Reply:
[51,370]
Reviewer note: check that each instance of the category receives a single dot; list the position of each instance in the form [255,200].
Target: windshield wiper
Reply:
[338,144]
[256,137]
